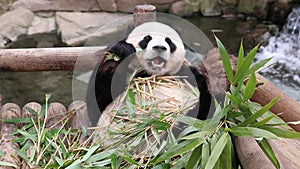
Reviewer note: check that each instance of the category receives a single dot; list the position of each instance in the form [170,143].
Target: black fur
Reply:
[100,84]
[144,43]
[99,87]
[171,44]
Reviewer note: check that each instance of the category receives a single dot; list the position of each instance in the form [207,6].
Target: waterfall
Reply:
[284,49]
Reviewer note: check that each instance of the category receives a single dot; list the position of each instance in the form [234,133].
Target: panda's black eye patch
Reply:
[171,44]
[143,43]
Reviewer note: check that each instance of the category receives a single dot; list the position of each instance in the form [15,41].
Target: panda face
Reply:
[160,49]
[160,55]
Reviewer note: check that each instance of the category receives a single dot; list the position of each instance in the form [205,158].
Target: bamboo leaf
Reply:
[226,157]
[173,151]
[191,146]
[194,158]
[114,161]
[260,64]
[162,166]
[240,57]
[243,71]
[199,124]
[216,152]
[250,86]
[225,60]
[259,113]
[205,154]
[252,132]
[267,149]
[131,103]
[7,164]
[90,152]
[282,132]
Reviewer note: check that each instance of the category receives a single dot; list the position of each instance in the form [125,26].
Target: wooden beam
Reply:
[48,59]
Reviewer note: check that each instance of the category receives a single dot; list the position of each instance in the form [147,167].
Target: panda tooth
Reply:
[158,65]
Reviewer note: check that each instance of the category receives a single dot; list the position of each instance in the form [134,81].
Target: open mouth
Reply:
[158,62]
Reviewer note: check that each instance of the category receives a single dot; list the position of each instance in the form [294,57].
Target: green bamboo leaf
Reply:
[250,86]
[234,99]
[199,134]
[100,156]
[159,125]
[131,103]
[114,161]
[199,124]
[252,132]
[90,152]
[28,135]
[260,64]
[194,158]
[226,158]
[216,152]
[225,60]
[191,146]
[243,71]
[267,149]
[162,166]
[17,120]
[240,57]
[281,132]
[172,151]
[259,113]
[7,164]
[262,122]
[205,154]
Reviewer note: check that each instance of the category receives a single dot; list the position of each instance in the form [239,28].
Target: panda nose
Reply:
[159,48]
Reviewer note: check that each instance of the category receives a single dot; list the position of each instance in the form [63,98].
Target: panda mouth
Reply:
[158,62]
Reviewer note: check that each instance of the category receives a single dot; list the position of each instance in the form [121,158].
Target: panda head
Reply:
[160,50]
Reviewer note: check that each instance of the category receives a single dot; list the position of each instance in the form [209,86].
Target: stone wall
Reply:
[74,21]
[262,9]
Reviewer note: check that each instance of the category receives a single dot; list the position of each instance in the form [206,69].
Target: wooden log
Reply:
[144,13]
[48,59]
[252,157]
[7,146]
[286,107]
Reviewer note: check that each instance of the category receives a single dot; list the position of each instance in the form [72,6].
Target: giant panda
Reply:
[154,47]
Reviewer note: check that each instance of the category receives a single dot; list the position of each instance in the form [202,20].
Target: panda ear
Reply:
[144,43]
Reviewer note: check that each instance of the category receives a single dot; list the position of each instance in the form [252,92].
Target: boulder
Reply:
[58,5]
[279,10]
[76,27]
[154,2]
[128,6]
[14,24]
[210,8]
[42,25]
[183,8]
[258,8]
[108,5]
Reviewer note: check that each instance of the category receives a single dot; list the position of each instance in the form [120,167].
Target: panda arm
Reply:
[205,96]
[99,87]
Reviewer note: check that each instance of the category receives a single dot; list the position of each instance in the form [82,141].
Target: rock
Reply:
[14,24]
[229,2]
[279,10]
[258,8]
[183,8]
[76,27]
[210,8]
[58,5]
[108,5]
[154,2]
[128,6]
[42,25]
